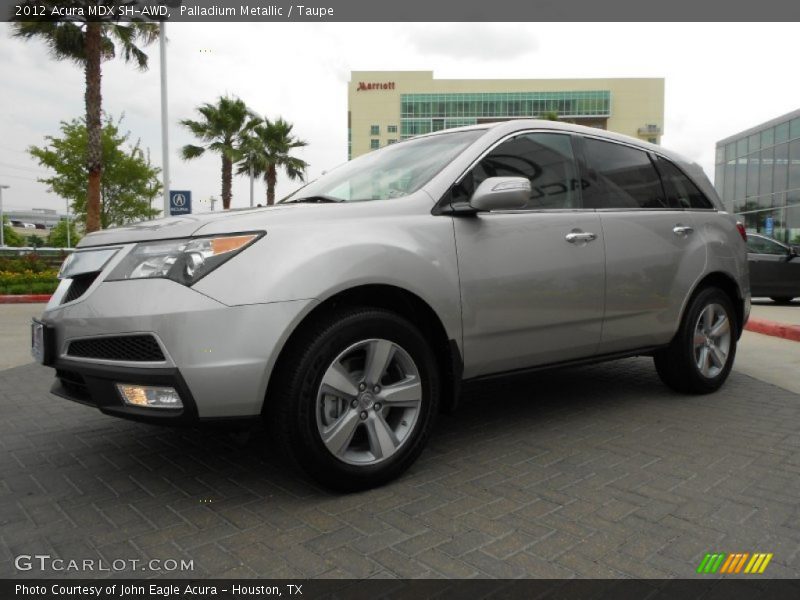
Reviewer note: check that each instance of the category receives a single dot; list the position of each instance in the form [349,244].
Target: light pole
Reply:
[68,240]
[2,218]
[162,41]
[251,180]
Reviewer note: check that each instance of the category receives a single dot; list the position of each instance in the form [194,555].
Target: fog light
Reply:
[149,396]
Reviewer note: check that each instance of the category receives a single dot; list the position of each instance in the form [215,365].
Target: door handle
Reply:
[682,230]
[575,237]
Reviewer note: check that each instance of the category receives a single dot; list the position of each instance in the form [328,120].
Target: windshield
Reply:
[395,171]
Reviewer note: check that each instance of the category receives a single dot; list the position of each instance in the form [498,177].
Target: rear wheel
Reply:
[701,354]
[357,400]
[781,299]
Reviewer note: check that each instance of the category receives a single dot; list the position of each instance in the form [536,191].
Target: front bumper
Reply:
[218,357]
[95,385]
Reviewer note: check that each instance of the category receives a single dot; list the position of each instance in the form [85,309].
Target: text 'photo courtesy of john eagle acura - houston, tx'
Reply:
[350,314]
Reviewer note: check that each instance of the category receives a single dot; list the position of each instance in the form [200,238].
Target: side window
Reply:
[681,191]
[546,159]
[758,245]
[620,177]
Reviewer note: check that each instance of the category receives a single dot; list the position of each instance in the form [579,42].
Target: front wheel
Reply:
[358,399]
[701,354]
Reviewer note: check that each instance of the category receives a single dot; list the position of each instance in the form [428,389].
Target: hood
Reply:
[178,227]
[255,219]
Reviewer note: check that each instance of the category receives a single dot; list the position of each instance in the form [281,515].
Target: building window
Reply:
[374,144]
[423,113]
[374,129]
[391,142]
[391,129]
[652,140]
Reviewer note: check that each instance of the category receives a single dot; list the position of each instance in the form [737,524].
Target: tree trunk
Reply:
[94,125]
[271,177]
[227,178]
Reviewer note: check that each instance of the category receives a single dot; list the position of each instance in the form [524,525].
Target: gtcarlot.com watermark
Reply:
[46,562]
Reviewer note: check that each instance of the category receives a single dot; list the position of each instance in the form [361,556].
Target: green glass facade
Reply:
[424,113]
[757,175]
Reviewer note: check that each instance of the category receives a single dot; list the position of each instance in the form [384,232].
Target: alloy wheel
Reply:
[368,402]
[712,340]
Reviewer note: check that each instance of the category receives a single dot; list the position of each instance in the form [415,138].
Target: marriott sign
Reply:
[386,85]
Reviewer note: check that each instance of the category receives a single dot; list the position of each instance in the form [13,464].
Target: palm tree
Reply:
[88,43]
[267,147]
[223,129]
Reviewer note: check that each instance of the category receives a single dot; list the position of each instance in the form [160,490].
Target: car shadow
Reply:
[231,468]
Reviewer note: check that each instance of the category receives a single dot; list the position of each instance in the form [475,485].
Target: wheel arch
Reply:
[396,299]
[727,284]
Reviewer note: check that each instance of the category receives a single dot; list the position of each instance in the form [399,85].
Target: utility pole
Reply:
[2,218]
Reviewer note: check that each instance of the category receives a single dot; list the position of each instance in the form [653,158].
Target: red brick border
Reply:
[24,298]
[782,330]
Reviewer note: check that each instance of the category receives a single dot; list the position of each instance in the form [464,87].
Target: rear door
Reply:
[654,255]
[532,280]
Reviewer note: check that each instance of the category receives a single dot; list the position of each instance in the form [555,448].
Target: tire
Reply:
[327,417]
[678,365]
[781,299]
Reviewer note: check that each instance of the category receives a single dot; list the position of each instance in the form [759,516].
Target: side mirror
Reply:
[501,193]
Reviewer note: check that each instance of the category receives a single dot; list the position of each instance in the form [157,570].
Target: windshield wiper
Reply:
[321,199]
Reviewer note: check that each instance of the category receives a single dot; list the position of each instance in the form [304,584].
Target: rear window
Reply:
[680,190]
[620,177]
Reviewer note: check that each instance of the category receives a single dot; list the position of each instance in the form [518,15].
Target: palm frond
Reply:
[189,151]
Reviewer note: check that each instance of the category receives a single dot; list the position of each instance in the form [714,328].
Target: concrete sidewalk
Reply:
[764,308]
[15,333]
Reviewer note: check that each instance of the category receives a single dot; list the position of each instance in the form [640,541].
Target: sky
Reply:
[719,80]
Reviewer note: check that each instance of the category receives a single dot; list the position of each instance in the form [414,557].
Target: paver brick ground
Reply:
[589,472]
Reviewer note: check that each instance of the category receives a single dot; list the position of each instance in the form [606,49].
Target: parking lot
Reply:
[589,472]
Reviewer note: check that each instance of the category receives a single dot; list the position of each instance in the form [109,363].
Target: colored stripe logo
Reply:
[734,563]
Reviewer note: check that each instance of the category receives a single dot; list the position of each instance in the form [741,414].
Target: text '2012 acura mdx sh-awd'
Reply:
[348,315]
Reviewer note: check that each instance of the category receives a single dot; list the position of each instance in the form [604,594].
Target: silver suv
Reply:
[348,315]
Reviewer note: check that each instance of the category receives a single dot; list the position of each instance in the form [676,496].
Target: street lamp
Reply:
[2,219]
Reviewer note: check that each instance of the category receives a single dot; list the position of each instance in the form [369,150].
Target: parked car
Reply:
[351,313]
[774,268]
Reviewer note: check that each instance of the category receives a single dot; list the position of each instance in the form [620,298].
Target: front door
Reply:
[532,280]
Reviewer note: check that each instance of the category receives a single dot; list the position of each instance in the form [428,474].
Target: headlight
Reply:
[184,261]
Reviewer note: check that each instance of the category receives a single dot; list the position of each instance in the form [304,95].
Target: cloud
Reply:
[481,41]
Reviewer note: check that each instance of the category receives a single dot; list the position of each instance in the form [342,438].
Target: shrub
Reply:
[28,282]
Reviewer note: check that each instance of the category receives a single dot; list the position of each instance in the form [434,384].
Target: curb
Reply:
[773,328]
[24,298]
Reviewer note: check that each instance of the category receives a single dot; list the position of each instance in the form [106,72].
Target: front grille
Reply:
[134,348]
[79,286]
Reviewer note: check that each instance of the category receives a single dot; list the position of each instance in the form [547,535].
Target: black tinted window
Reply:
[545,159]
[620,177]
[681,191]
[759,245]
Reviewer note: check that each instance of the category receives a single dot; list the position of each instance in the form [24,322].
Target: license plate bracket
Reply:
[42,342]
